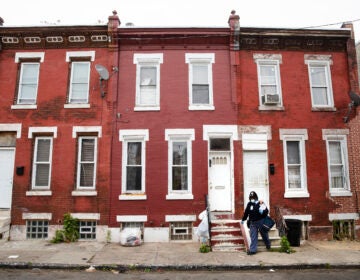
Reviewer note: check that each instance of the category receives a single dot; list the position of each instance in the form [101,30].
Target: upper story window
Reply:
[200,80]
[180,163]
[28,79]
[133,163]
[320,81]
[86,164]
[294,162]
[337,155]
[79,83]
[148,81]
[269,82]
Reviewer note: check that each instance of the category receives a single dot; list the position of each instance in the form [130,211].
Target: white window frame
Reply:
[269,60]
[27,55]
[301,136]
[127,136]
[338,136]
[193,59]
[323,61]
[69,58]
[147,60]
[36,163]
[179,135]
[79,162]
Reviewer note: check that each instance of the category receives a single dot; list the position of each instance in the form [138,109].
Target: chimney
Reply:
[114,22]
[350,26]
[234,21]
[113,25]
[234,24]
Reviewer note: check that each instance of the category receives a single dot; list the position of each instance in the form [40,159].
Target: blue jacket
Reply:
[252,211]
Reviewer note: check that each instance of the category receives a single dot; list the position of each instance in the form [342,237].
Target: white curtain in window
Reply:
[336,165]
[147,86]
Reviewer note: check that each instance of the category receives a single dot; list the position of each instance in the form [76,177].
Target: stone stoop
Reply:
[5,220]
[226,236]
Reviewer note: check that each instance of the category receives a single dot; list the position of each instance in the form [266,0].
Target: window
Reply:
[320,80]
[268,68]
[79,82]
[133,161]
[336,146]
[294,162]
[148,81]
[37,229]
[200,80]
[181,230]
[87,155]
[42,163]
[79,63]
[180,163]
[28,81]
[87,229]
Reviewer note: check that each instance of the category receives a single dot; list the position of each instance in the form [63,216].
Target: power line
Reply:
[317,26]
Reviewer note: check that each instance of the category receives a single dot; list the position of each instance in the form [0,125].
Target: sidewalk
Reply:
[180,256]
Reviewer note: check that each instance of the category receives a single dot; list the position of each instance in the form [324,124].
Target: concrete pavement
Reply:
[180,256]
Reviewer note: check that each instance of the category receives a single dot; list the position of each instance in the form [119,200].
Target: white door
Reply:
[6,176]
[256,175]
[220,181]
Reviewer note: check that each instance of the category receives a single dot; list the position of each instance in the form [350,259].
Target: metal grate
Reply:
[343,229]
[37,229]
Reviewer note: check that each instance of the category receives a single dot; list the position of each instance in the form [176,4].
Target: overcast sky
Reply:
[198,13]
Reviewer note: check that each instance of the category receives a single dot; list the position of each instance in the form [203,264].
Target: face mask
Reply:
[252,200]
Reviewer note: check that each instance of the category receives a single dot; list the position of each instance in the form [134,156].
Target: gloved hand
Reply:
[242,222]
[261,211]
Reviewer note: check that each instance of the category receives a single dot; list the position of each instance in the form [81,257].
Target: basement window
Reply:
[139,225]
[181,231]
[87,230]
[37,229]
[343,229]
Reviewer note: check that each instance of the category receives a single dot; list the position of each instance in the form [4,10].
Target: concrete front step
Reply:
[5,221]
[227,247]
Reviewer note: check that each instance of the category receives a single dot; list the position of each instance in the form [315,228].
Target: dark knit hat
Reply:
[253,195]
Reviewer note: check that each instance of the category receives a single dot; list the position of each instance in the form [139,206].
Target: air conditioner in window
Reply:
[272,99]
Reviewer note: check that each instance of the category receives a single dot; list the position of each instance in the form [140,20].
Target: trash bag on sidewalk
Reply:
[203,228]
[130,237]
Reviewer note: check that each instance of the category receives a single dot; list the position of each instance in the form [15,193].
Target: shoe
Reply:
[268,247]
[251,253]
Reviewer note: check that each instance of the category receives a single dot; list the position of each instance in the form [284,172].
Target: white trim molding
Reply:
[180,218]
[11,127]
[37,216]
[343,216]
[131,218]
[86,216]
[43,129]
[86,129]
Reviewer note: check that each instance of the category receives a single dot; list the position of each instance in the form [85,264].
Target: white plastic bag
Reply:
[203,228]
[130,237]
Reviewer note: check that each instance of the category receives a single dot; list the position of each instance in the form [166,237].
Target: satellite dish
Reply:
[355,98]
[103,72]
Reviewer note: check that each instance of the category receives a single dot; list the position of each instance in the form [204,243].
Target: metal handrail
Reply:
[280,221]
[207,204]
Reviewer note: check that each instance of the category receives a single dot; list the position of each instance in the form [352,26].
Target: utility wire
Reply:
[346,21]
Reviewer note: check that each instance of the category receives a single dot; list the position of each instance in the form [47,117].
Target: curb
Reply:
[154,268]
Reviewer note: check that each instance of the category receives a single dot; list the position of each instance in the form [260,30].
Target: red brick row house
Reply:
[174,120]
[55,129]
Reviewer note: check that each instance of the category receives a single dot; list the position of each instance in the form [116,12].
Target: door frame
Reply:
[13,149]
[256,139]
[222,131]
